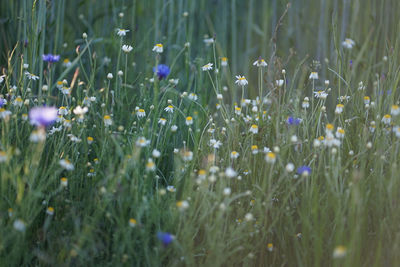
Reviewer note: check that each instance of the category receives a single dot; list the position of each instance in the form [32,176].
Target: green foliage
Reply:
[135,176]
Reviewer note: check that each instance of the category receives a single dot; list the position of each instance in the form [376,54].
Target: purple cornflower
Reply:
[165,238]
[50,58]
[304,170]
[293,121]
[43,116]
[2,102]
[162,71]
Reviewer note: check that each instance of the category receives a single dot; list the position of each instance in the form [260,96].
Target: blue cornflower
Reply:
[2,102]
[304,170]
[165,238]
[293,121]
[50,58]
[43,116]
[162,71]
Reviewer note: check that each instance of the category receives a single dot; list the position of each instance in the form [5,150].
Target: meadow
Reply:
[199,133]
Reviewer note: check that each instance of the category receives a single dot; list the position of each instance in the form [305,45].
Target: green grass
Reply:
[272,217]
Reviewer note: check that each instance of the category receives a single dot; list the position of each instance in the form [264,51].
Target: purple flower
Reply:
[50,58]
[162,71]
[2,102]
[43,116]
[293,121]
[304,170]
[165,238]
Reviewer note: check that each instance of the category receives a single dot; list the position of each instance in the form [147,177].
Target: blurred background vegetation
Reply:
[244,30]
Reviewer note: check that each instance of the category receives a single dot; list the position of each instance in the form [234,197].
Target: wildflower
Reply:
[329,127]
[50,58]
[80,111]
[38,135]
[66,164]
[162,121]
[65,90]
[158,48]
[150,166]
[270,157]
[215,143]
[132,222]
[67,123]
[289,167]
[396,130]
[260,63]
[224,61]
[3,156]
[4,114]
[321,94]
[343,98]
[110,76]
[193,96]
[165,238]
[339,252]
[142,142]
[306,103]
[18,102]
[122,32]
[208,41]
[64,182]
[227,191]
[66,63]
[279,82]
[270,247]
[395,110]
[339,108]
[91,173]
[62,110]
[230,172]
[238,110]
[174,128]
[107,120]
[19,225]
[313,75]
[386,119]
[207,67]
[234,155]
[330,140]
[304,170]
[254,129]
[366,100]
[2,102]
[249,217]
[254,149]
[162,71]
[50,211]
[31,76]
[141,113]
[2,78]
[42,116]
[182,205]
[169,109]
[241,80]
[293,121]
[187,155]
[171,188]
[189,120]
[348,43]
[361,86]
[156,153]
[340,133]
[127,48]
